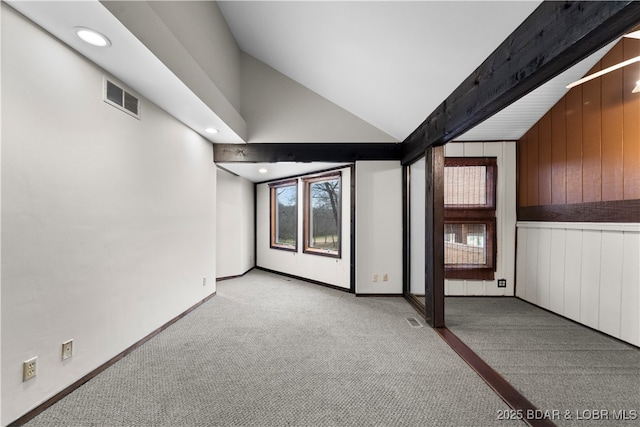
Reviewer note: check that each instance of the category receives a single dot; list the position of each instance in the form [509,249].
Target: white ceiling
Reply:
[391,63]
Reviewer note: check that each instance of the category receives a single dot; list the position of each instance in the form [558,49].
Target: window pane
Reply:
[286,214]
[465,244]
[324,217]
[465,185]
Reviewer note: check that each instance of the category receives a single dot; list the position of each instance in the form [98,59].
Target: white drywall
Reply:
[587,272]
[332,271]
[108,222]
[505,154]
[234,225]
[278,109]
[378,227]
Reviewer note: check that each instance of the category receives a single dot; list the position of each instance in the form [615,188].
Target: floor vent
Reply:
[121,99]
[413,322]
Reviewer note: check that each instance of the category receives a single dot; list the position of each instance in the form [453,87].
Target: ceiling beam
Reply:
[556,36]
[305,152]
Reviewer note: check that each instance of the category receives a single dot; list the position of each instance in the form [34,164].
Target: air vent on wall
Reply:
[121,99]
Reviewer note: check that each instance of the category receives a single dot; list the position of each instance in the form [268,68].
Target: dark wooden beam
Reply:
[305,152]
[434,238]
[556,36]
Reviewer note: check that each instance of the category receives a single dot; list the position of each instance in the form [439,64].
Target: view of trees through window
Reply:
[284,216]
[286,213]
[324,215]
[321,212]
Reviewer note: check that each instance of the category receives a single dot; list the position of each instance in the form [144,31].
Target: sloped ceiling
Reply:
[389,63]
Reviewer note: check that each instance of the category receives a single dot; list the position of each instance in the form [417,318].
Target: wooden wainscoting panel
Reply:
[611,282]
[556,268]
[630,305]
[590,283]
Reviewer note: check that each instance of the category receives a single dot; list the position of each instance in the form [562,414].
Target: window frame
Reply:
[476,214]
[307,182]
[273,215]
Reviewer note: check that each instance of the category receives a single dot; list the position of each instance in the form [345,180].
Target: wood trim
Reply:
[434,237]
[237,276]
[611,211]
[305,152]
[70,389]
[379,295]
[352,229]
[273,216]
[509,394]
[556,36]
[306,220]
[304,279]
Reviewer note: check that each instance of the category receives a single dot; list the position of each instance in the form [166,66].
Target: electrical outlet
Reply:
[374,277]
[502,283]
[204,281]
[385,277]
[67,349]
[29,368]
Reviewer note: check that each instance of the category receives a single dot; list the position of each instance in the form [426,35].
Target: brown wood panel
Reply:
[532,168]
[558,154]
[523,163]
[631,123]
[591,141]
[544,160]
[612,125]
[610,211]
[574,144]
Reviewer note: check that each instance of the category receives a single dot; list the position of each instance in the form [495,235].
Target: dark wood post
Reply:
[434,237]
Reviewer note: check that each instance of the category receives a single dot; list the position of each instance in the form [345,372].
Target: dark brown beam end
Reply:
[305,152]
[556,36]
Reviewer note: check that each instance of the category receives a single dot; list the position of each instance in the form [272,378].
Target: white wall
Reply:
[378,226]
[332,271]
[278,109]
[234,225]
[173,31]
[505,152]
[587,272]
[417,226]
[108,222]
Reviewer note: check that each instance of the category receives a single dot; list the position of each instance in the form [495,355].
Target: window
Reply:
[470,218]
[322,215]
[284,215]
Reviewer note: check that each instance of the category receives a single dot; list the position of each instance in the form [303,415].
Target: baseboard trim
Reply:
[304,279]
[621,341]
[379,295]
[237,276]
[500,386]
[68,390]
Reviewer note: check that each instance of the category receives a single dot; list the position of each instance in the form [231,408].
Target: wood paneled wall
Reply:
[586,149]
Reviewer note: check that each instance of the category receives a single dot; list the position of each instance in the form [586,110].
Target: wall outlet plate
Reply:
[67,349]
[29,368]
[502,283]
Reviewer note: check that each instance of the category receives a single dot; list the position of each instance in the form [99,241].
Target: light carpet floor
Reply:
[271,351]
[555,363]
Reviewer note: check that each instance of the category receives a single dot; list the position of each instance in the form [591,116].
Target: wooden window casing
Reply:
[334,195]
[277,214]
[476,211]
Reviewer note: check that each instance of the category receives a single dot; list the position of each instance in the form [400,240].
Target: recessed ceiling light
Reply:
[211,130]
[92,37]
[262,170]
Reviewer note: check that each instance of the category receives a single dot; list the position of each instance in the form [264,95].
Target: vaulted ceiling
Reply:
[388,63]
